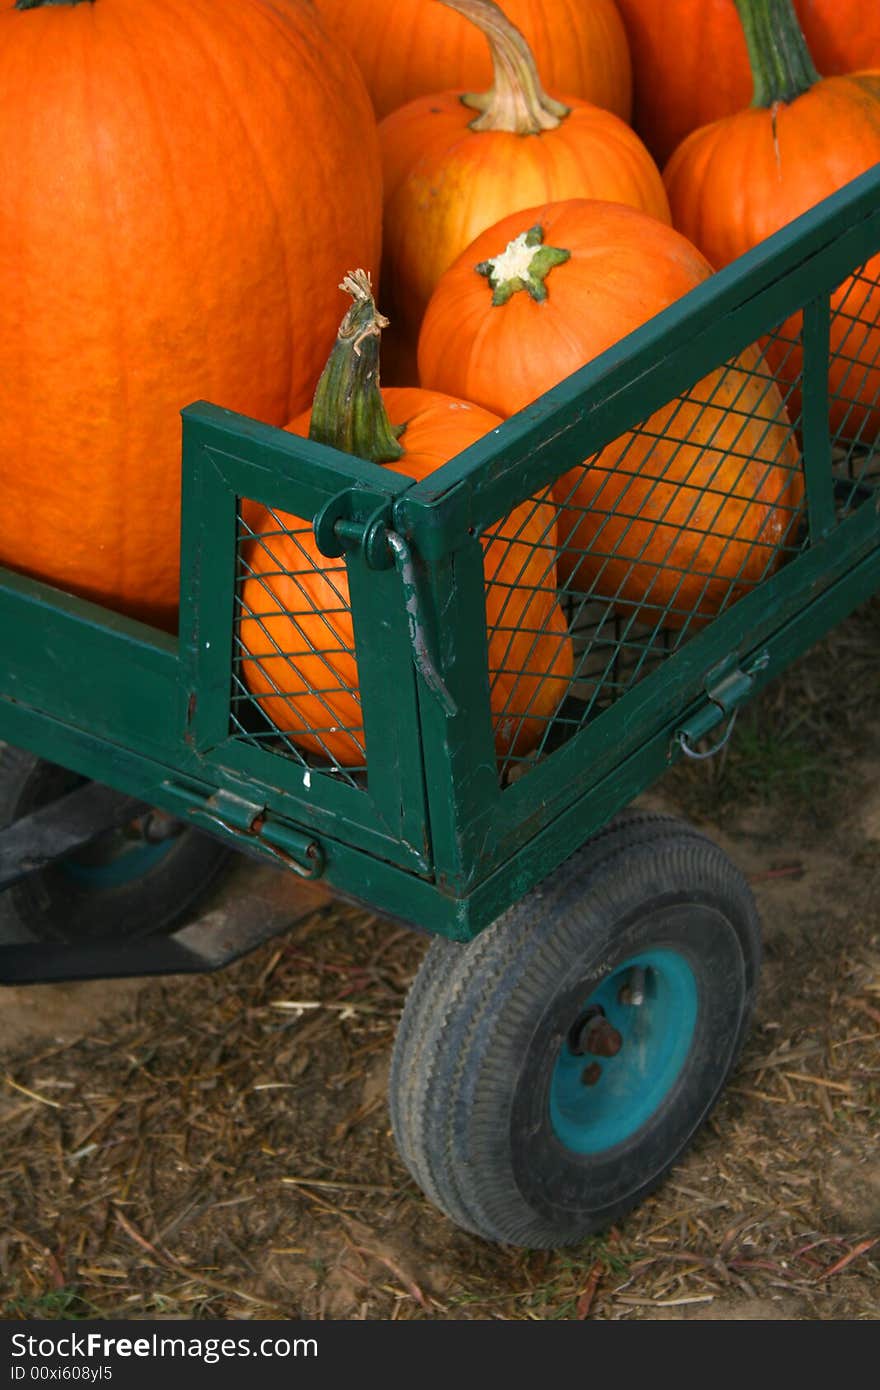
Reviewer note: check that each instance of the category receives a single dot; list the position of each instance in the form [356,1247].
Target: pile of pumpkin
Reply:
[185,185]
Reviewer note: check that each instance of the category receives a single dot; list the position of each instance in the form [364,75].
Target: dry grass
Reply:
[221,1148]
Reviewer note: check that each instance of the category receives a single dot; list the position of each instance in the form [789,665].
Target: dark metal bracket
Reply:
[727,686]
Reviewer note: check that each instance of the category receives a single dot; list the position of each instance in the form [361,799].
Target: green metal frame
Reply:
[430,835]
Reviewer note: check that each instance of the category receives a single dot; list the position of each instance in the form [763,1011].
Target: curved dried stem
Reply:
[516,101]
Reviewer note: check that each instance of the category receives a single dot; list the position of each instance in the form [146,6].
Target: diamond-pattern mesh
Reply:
[658,533]
[593,584]
[530,655]
[854,383]
[294,671]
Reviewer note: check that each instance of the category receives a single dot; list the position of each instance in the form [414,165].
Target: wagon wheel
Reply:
[130,882]
[547,1075]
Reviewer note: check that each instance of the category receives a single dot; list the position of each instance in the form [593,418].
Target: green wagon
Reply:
[593,972]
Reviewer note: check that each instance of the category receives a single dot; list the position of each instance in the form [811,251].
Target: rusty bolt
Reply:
[602,1038]
[590,1075]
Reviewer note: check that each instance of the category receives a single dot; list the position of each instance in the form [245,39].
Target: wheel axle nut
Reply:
[602,1039]
[590,1075]
[633,992]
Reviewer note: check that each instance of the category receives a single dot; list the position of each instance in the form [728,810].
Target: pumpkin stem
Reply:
[523,265]
[348,412]
[782,66]
[516,101]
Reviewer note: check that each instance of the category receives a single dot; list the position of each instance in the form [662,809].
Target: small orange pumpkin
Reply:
[691,66]
[733,183]
[453,164]
[297,637]
[675,519]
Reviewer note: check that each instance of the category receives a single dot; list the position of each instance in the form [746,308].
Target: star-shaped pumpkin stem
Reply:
[524,264]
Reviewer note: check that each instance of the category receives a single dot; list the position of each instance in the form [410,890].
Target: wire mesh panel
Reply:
[854,382]
[643,545]
[672,533]
[530,655]
[295,683]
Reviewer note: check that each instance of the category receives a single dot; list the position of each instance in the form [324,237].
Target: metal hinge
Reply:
[295,849]
[727,686]
[337,532]
[339,527]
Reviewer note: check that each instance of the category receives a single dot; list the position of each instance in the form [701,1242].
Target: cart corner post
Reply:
[207,566]
[458,747]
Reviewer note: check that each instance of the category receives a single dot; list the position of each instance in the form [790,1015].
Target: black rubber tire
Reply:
[50,906]
[484,1023]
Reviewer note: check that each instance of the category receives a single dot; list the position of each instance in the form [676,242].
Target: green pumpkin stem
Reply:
[524,264]
[516,101]
[348,412]
[781,63]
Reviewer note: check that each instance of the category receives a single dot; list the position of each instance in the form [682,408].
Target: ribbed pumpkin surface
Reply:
[182,187]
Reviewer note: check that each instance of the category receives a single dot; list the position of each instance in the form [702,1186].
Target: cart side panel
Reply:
[85,666]
[730,483]
[298,663]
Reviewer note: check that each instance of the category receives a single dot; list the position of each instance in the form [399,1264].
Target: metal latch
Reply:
[293,848]
[726,686]
[337,531]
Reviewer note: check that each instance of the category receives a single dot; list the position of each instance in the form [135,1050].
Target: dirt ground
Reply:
[219,1147]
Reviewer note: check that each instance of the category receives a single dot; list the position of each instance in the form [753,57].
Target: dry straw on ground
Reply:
[219,1147]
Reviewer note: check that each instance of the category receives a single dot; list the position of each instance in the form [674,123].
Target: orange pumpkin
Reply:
[296,633]
[679,519]
[733,183]
[450,173]
[411,48]
[675,519]
[166,231]
[688,67]
[680,84]
[843,35]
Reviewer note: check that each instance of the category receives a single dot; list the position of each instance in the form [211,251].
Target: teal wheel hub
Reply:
[117,858]
[625,1052]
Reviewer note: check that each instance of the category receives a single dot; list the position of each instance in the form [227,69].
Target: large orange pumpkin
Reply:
[676,519]
[411,48]
[690,63]
[735,182]
[296,635]
[182,187]
[454,165]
